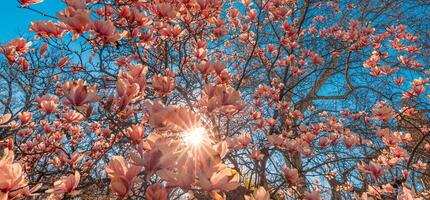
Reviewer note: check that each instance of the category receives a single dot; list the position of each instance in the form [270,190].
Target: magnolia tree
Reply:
[210,99]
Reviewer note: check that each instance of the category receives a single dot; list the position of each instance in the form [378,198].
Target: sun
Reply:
[194,137]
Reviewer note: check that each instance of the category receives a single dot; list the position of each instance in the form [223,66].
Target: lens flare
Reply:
[194,137]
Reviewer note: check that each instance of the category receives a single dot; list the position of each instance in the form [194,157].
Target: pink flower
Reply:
[78,93]
[5,118]
[218,177]
[155,153]
[163,84]
[256,154]
[136,132]
[105,30]
[372,168]
[11,174]
[19,45]
[127,92]
[239,142]
[25,3]
[77,21]
[46,29]
[291,175]
[163,10]
[259,194]
[315,195]
[324,142]
[221,98]
[121,174]
[66,185]
[48,103]
[24,117]
[383,112]
[75,4]
[156,192]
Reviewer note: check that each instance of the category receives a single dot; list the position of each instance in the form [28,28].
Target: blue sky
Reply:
[15,21]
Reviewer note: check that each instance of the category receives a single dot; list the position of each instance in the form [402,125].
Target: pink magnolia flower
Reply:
[315,195]
[122,175]
[407,194]
[156,192]
[11,174]
[163,84]
[14,48]
[239,142]
[135,74]
[383,112]
[77,21]
[72,117]
[256,154]
[184,176]
[48,103]
[78,93]
[174,118]
[128,92]
[43,49]
[221,98]
[5,118]
[66,185]
[24,117]
[105,30]
[259,194]
[159,154]
[291,175]
[23,64]
[136,132]
[19,45]
[164,10]
[218,177]
[324,142]
[46,29]
[75,4]
[25,3]
[372,168]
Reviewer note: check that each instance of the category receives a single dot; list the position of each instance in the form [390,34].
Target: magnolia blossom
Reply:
[156,192]
[66,185]
[24,117]
[16,47]
[121,174]
[164,10]
[315,195]
[5,118]
[407,194]
[25,3]
[222,98]
[77,21]
[256,154]
[156,153]
[259,194]
[78,93]
[128,92]
[372,168]
[105,30]
[135,132]
[163,84]
[11,174]
[383,112]
[239,142]
[291,175]
[46,29]
[171,117]
[47,103]
[218,178]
